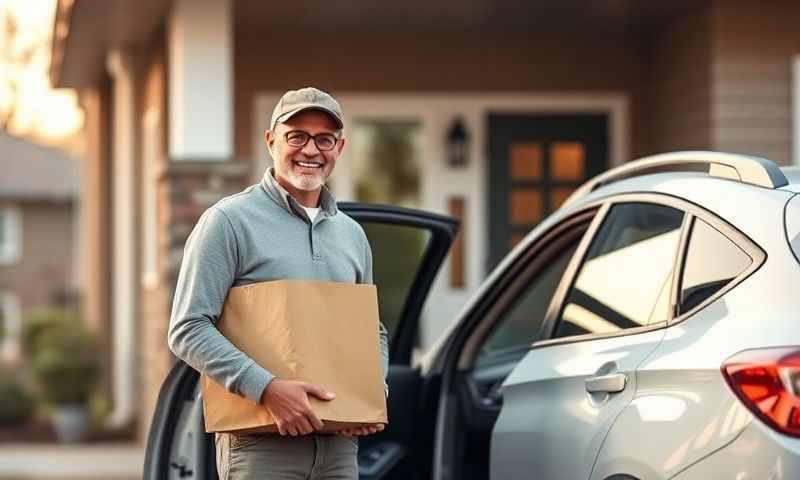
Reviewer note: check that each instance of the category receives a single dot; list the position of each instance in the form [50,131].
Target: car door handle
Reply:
[611,383]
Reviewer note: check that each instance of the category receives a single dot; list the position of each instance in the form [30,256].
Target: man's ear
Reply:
[269,139]
[340,147]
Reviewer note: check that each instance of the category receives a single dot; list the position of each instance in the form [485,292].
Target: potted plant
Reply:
[65,368]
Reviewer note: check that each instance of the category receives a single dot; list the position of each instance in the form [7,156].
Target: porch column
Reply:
[123,273]
[200,41]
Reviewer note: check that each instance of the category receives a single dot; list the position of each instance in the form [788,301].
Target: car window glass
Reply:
[397,254]
[712,261]
[625,280]
[520,325]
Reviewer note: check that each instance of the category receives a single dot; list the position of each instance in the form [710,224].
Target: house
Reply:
[496,111]
[39,225]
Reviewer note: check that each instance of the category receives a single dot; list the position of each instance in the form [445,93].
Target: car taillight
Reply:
[768,382]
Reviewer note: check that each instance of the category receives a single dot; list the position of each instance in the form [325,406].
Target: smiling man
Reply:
[286,226]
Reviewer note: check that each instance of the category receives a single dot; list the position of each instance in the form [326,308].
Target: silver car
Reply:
[645,330]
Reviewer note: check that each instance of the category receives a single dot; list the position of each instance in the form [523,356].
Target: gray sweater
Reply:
[259,234]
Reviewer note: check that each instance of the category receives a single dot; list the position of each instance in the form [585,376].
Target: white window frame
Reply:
[11,248]
[12,325]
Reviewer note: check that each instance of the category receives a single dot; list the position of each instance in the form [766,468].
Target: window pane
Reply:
[386,156]
[519,327]
[567,161]
[712,260]
[626,277]
[526,161]
[397,252]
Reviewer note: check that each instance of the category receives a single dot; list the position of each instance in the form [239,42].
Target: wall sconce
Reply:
[457,144]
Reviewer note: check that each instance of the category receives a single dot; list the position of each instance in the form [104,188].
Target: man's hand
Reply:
[287,402]
[362,431]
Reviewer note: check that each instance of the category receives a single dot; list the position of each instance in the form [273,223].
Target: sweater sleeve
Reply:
[208,270]
[383,334]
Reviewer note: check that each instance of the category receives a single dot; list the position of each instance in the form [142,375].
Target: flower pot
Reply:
[71,423]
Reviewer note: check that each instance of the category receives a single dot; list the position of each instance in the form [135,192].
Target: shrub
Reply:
[42,320]
[16,405]
[65,364]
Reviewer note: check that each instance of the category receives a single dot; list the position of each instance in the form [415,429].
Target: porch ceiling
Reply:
[85,30]
[488,15]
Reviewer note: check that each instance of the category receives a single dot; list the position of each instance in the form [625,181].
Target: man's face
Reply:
[305,168]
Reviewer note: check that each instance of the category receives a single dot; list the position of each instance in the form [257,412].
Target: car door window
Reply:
[712,261]
[397,252]
[624,281]
[520,326]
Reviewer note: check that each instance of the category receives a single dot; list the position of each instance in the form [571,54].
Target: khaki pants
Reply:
[266,456]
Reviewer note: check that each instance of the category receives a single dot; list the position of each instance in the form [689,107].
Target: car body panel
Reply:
[758,453]
[549,423]
[682,397]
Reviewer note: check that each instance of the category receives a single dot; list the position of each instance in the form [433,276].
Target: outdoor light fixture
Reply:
[457,144]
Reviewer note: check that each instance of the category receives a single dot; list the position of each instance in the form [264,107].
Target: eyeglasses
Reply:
[324,141]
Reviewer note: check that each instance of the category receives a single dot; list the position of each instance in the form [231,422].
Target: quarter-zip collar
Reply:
[273,189]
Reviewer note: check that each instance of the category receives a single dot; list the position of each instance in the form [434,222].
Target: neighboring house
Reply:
[38,227]
[539,95]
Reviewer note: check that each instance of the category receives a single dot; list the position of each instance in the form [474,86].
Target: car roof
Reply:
[755,210]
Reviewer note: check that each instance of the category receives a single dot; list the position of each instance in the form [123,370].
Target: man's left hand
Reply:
[362,431]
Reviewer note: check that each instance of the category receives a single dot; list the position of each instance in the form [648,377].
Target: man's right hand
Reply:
[287,402]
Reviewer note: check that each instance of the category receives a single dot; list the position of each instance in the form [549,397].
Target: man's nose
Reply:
[310,148]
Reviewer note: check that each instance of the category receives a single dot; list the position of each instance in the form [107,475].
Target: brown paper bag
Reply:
[324,333]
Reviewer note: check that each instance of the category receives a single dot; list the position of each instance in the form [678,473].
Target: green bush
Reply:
[16,405]
[42,320]
[65,364]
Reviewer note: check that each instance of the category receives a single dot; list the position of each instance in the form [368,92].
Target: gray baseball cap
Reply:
[308,98]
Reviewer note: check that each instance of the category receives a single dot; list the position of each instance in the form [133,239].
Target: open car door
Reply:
[408,248]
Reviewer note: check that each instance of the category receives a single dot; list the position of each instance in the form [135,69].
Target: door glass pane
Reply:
[712,261]
[386,158]
[625,279]
[520,326]
[567,161]
[397,253]
[525,206]
[526,161]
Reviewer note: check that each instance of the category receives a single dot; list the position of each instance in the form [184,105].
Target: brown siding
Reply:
[753,43]
[680,79]
[435,62]
[43,272]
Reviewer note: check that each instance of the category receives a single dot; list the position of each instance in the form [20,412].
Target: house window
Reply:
[386,156]
[10,326]
[10,235]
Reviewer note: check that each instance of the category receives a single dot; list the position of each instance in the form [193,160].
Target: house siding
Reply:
[42,274]
[680,85]
[436,62]
[752,47]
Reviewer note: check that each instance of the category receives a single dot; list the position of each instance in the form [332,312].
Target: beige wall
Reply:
[438,62]
[679,85]
[44,267]
[752,46]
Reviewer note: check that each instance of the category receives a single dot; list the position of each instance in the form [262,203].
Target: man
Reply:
[286,226]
